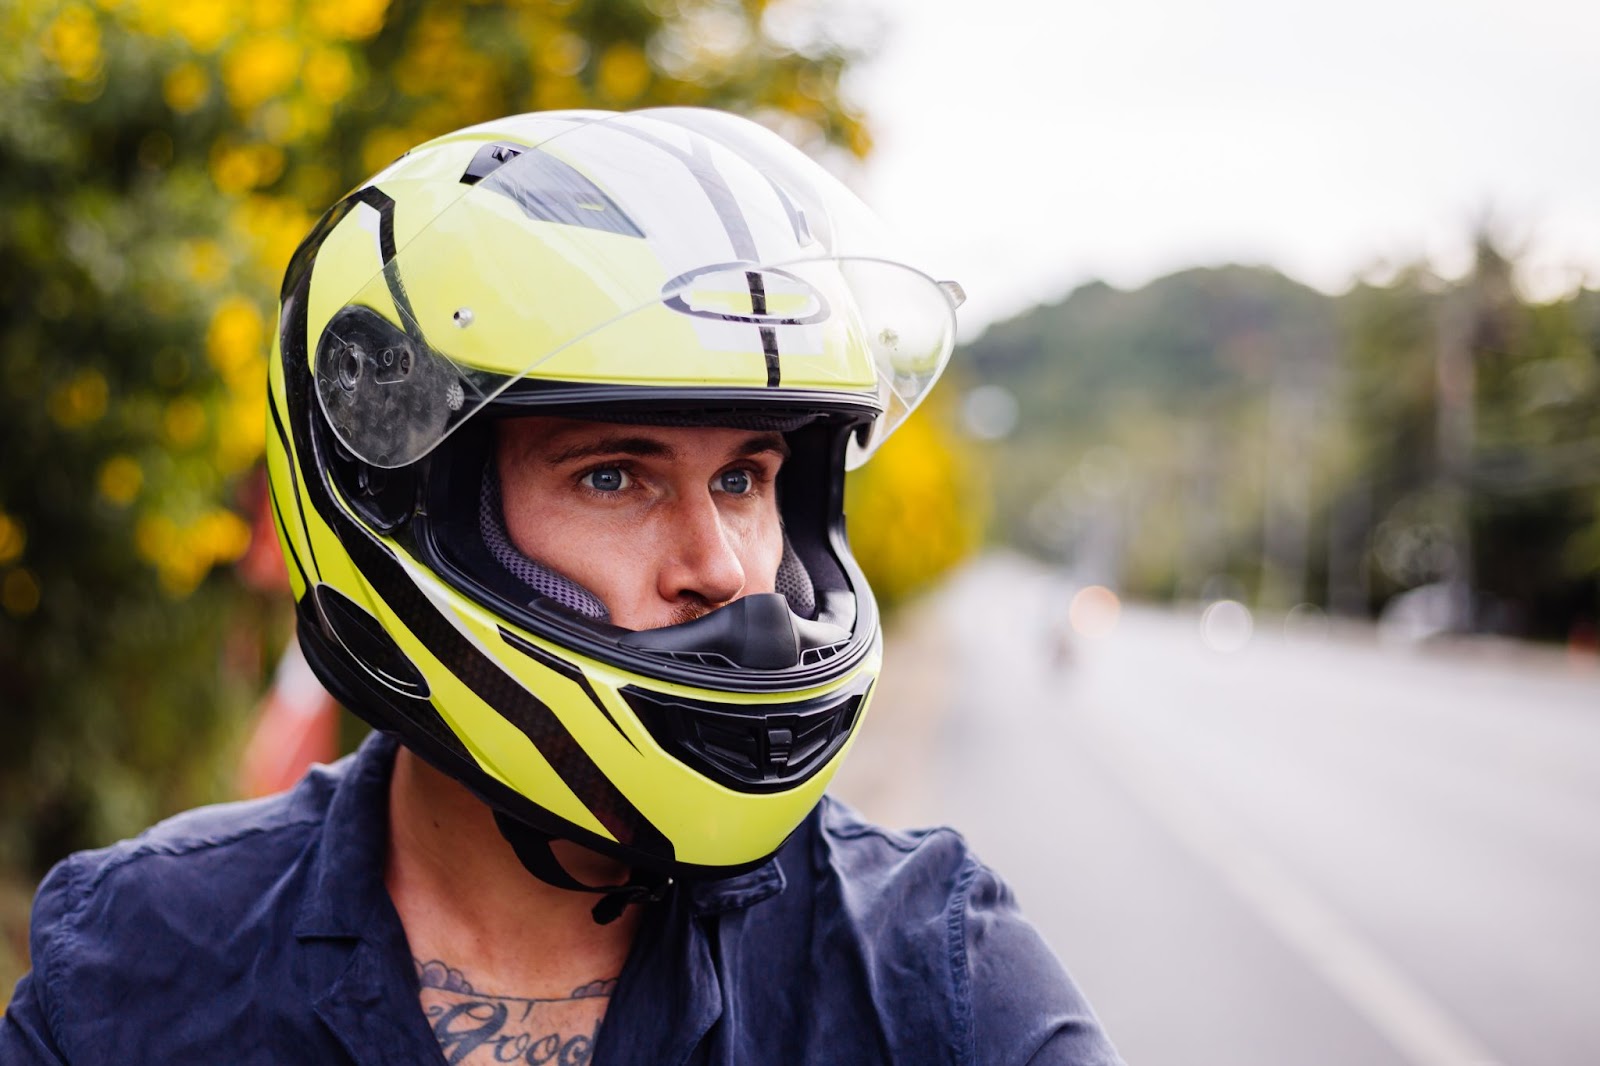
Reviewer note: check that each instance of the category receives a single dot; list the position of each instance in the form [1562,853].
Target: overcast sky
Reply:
[1033,145]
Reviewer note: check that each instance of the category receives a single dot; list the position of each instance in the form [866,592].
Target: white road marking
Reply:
[1416,1024]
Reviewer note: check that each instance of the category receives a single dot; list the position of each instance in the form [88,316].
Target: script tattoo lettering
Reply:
[480,1028]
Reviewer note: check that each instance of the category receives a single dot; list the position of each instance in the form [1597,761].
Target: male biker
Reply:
[560,410]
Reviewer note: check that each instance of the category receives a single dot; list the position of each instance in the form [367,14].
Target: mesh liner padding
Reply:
[541,579]
[792,581]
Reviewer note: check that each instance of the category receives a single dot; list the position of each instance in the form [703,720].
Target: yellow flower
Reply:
[554,93]
[13,539]
[259,69]
[561,53]
[204,261]
[219,537]
[242,430]
[270,14]
[238,168]
[203,23]
[80,401]
[859,138]
[154,537]
[234,338]
[623,74]
[915,509]
[351,20]
[185,87]
[20,593]
[328,75]
[383,146]
[274,227]
[183,555]
[72,43]
[184,421]
[120,479]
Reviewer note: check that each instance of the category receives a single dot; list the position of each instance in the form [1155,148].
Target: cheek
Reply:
[758,541]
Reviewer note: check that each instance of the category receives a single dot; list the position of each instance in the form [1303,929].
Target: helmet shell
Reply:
[652,266]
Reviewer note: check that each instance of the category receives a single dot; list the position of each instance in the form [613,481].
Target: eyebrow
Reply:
[651,448]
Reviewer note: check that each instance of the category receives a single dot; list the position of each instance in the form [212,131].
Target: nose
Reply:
[700,564]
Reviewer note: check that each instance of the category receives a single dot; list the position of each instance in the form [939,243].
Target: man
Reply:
[560,412]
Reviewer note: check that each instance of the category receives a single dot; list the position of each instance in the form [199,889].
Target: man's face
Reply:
[663,524]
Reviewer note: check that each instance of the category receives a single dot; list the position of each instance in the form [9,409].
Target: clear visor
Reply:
[676,247]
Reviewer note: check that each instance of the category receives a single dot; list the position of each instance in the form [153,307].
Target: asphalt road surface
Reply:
[1312,850]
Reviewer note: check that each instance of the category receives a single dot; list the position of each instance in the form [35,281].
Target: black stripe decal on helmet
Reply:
[381,202]
[769,348]
[567,670]
[294,473]
[288,542]
[769,334]
[503,693]
[704,172]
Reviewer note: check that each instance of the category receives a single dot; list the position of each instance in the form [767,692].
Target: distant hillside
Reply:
[1197,334]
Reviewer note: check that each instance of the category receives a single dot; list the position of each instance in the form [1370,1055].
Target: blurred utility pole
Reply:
[1294,412]
[1455,437]
[1286,495]
[1202,537]
[1349,527]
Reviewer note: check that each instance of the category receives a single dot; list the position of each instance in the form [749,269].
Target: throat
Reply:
[483,930]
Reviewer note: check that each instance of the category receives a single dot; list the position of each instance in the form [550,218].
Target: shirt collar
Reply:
[733,893]
[346,891]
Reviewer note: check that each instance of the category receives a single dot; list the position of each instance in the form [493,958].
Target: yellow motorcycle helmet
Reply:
[671,266]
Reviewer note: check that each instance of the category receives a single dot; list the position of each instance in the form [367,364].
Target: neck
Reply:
[458,884]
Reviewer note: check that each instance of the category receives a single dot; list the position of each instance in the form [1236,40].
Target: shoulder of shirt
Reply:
[846,828]
[928,905]
[936,862]
[209,885]
[212,837]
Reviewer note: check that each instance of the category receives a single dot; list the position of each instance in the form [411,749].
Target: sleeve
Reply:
[1025,1007]
[28,1035]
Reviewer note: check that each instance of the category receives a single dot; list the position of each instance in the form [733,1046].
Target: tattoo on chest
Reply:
[481,1028]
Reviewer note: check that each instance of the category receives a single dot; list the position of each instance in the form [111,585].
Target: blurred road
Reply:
[1307,852]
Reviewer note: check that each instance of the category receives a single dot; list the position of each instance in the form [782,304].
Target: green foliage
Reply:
[159,161]
[1231,430]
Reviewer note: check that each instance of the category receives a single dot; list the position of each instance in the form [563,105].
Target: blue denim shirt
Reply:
[262,933]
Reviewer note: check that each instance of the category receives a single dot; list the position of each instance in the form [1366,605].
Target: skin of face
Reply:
[662,523]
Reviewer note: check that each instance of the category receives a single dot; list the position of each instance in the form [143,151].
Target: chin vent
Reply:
[767,749]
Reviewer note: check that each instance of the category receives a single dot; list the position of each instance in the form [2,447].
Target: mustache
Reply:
[689,610]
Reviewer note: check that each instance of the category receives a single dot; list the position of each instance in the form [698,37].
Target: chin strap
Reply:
[533,848]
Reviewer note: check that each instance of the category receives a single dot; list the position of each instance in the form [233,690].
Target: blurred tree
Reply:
[918,508]
[1230,429]
[159,161]
[1388,514]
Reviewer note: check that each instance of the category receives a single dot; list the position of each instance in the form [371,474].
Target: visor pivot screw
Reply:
[453,396]
[349,367]
[463,317]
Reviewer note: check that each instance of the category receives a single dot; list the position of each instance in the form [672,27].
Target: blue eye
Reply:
[736,482]
[606,479]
